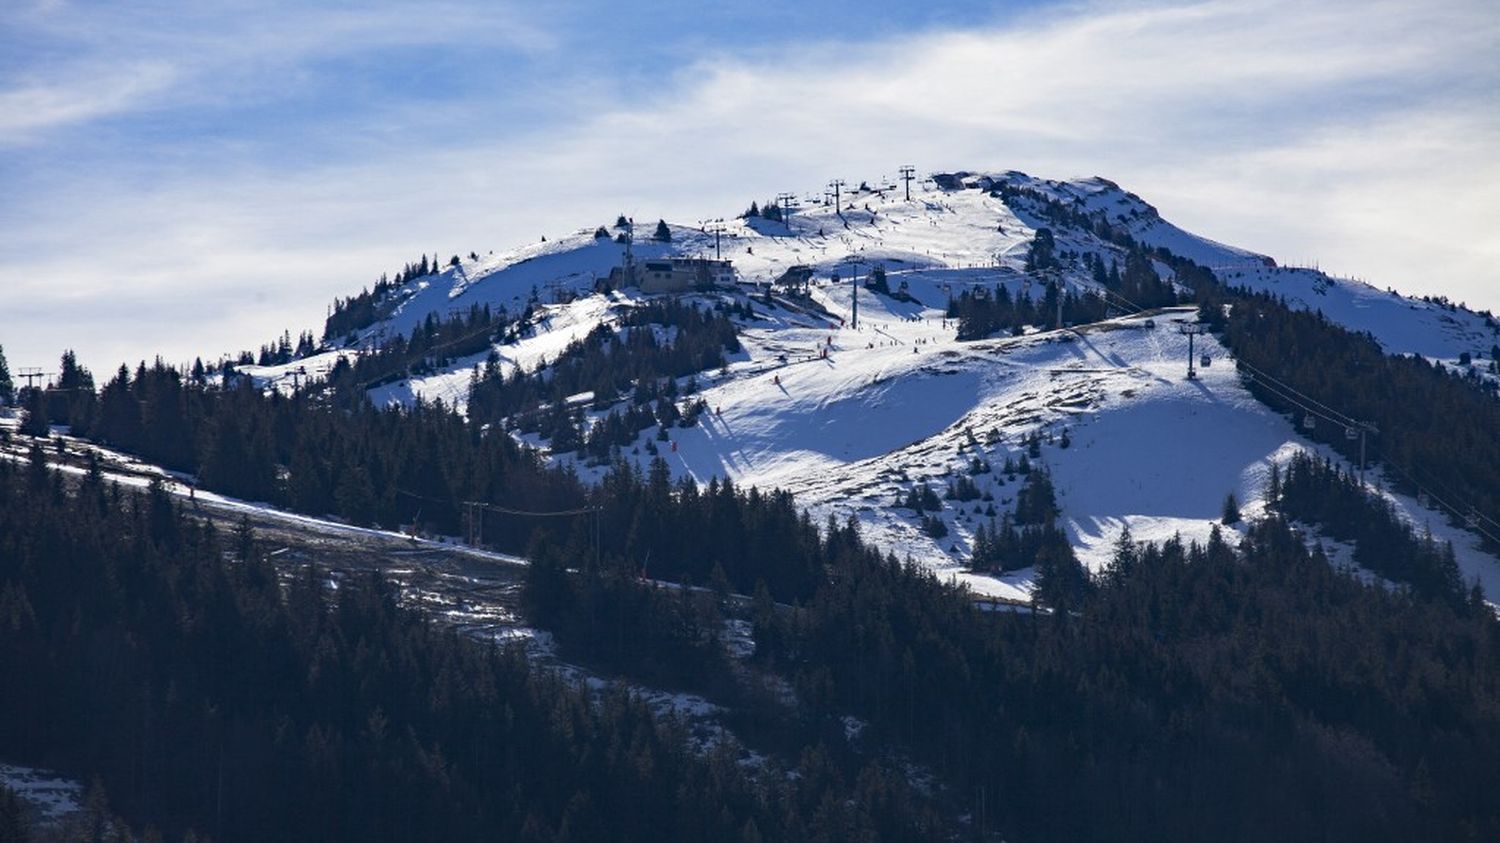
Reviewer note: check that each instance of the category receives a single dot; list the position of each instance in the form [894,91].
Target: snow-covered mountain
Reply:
[851,419]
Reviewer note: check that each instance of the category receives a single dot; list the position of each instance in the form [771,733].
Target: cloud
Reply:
[1358,135]
[27,110]
[112,60]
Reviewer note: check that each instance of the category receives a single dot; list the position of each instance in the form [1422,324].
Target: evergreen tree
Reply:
[34,412]
[7,387]
[1231,510]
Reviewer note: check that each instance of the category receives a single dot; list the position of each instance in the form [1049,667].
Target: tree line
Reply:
[206,693]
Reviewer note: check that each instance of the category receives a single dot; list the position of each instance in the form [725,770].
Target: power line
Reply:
[529,513]
[487,329]
[1472,515]
[1345,420]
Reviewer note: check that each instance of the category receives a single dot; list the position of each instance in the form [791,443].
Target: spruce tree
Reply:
[7,387]
[1231,512]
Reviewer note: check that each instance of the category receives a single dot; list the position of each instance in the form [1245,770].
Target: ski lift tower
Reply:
[853,261]
[629,251]
[908,172]
[1360,429]
[1191,329]
[715,227]
[837,185]
[785,200]
[32,374]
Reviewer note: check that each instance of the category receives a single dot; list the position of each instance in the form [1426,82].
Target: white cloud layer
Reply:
[1358,135]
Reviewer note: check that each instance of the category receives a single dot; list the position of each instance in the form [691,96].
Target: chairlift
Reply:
[1150,323]
[1424,500]
[1309,423]
[1351,434]
[1473,519]
[1205,361]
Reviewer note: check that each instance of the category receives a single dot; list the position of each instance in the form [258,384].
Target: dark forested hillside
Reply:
[165,658]
[1199,692]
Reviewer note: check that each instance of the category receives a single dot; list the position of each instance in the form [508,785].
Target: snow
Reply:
[898,398]
[849,434]
[1399,324]
[285,377]
[557,325]
[52,796]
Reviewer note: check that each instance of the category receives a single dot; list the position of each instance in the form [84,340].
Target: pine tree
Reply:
[7,387]
[662,233]
[34,422]
[1231,511]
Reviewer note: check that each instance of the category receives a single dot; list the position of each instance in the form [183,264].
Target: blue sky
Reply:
[189,178]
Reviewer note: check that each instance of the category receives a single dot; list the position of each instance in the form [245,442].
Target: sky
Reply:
[191,179]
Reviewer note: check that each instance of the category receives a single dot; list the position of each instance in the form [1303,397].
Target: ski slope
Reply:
[899,401]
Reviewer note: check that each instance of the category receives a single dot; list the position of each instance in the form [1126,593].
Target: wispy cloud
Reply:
[95,61]
[28,110]
[1359,135]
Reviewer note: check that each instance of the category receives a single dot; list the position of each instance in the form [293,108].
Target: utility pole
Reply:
[837,184]
[853,262]
[908,172]
[1191,329]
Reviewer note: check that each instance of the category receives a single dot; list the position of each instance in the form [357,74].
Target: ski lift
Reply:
[1424,500]
[1309,423]
[1351,434]
[1150,323]
[1205,360]
[1473,519]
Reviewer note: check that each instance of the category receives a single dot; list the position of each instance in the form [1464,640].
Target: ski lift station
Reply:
[674,275]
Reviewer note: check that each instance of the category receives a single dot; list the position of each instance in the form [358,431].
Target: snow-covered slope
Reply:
[1401,325]
[955,229]
[899,401]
